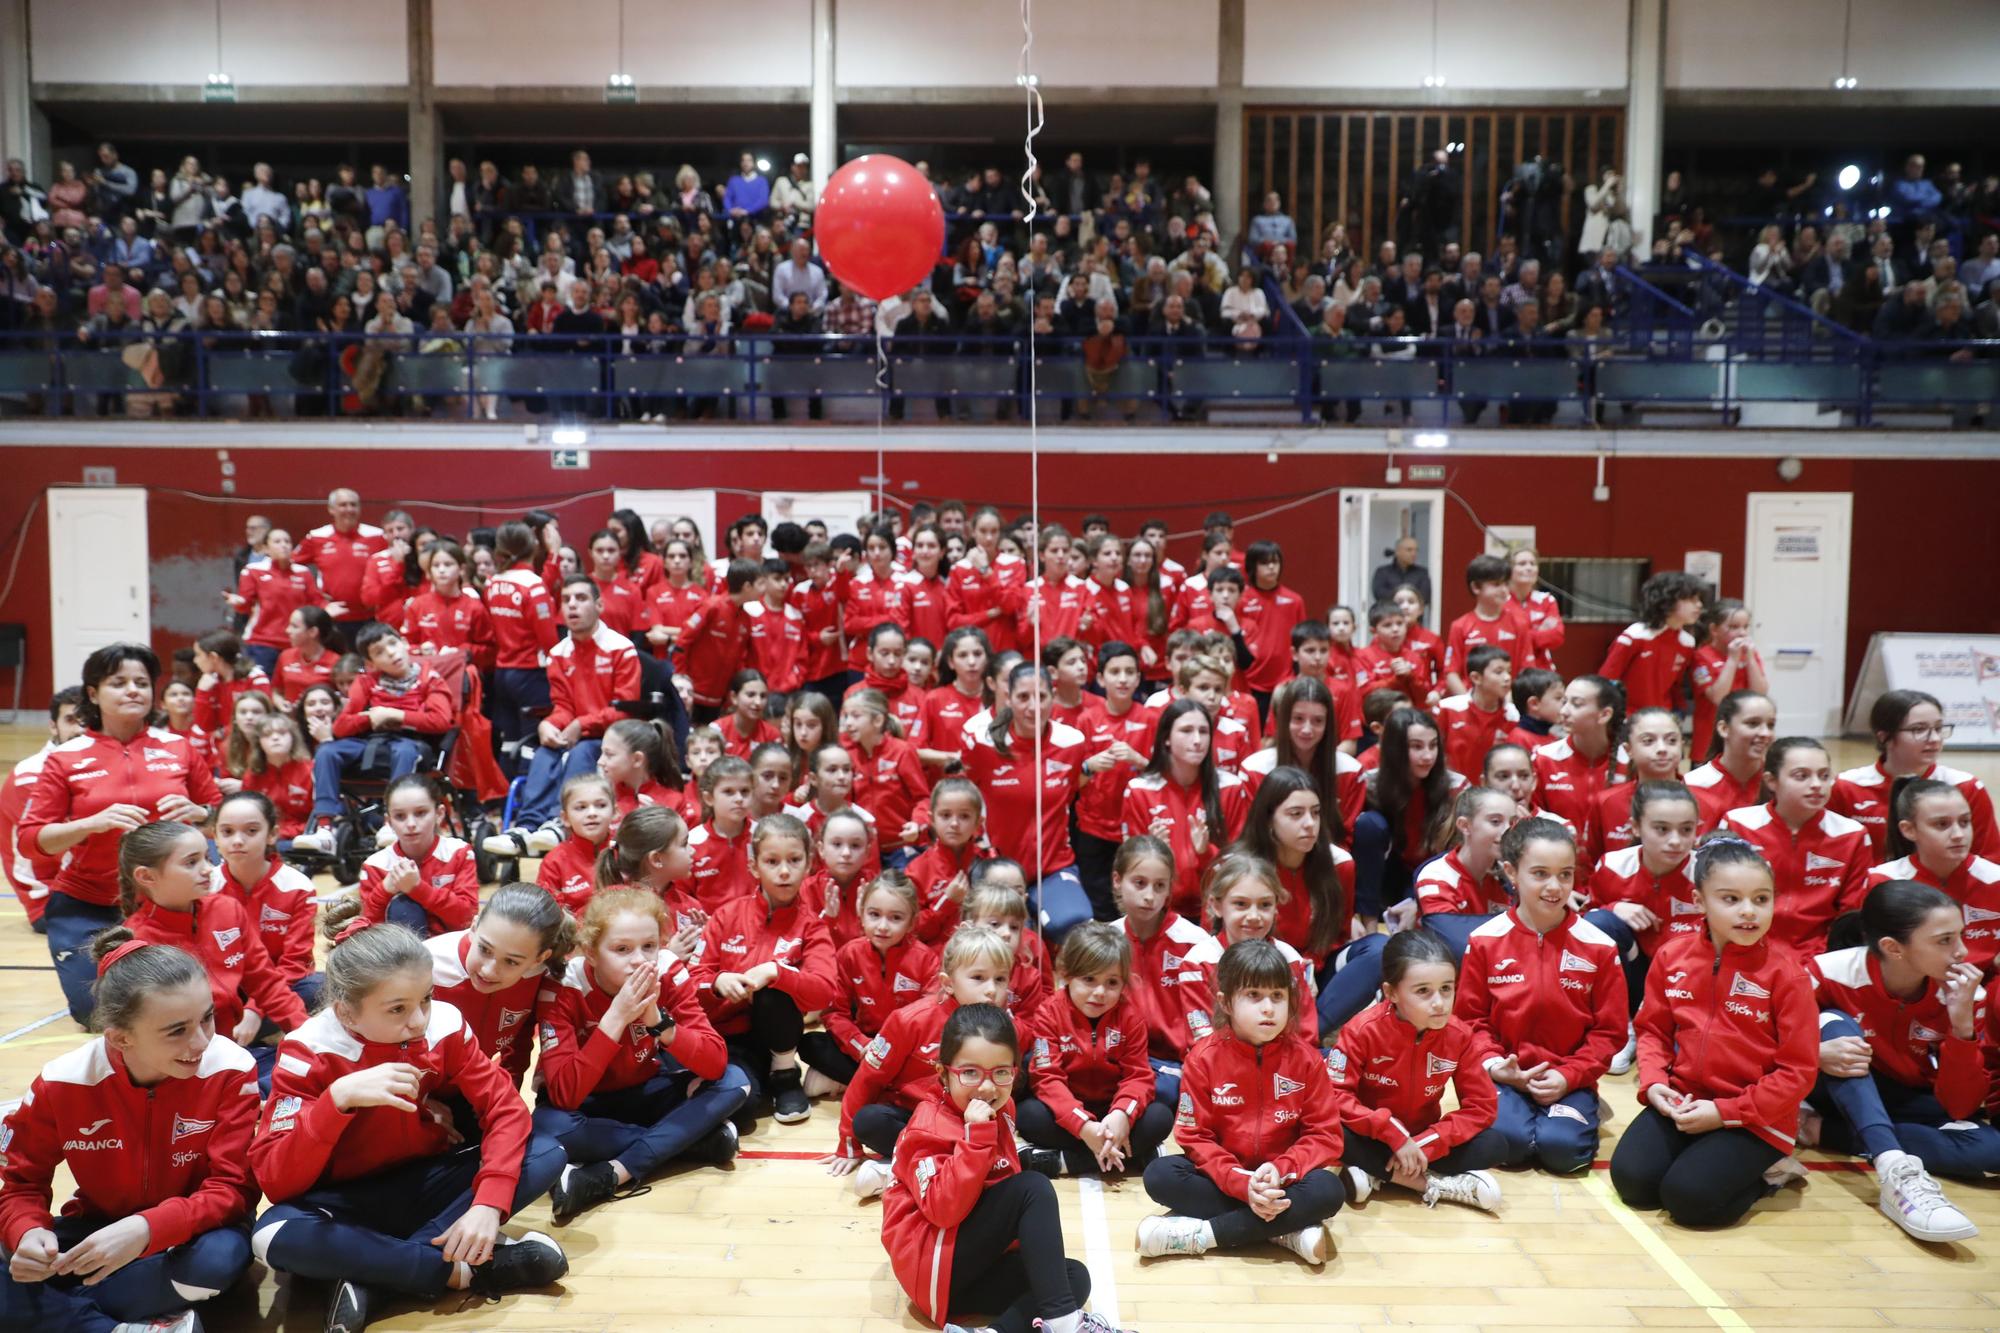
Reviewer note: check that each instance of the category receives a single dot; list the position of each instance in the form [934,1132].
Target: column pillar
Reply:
[18,131]
[426,136]
[1228,183]
[1645,117]
[825,146]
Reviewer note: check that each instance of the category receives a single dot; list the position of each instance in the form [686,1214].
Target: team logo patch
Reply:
[1977,914]
[1437,1064]
[1742,985]
[284,1113]
[1572,963]
[1169,962]
[186,1128]
[225,938]
[1284,1087]
[509,1017]
[1683,908]
[877,1052]
[1336,1063]
[1184,1114]
[268,915]
[1814,861]
[1199,1024]
[1568,1113]
[1115,1037]
[904,983]
[1918,1032]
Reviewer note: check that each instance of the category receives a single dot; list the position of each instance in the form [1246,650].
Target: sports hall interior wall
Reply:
[1925,547]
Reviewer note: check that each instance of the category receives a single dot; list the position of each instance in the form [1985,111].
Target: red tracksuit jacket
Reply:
[525,624]
[888,784]
[586,675]
[215,703]
[1862,794]
[1738,1027]
[714,645]
[1446,887]
[176,1154]
[1055,606]
[428,705]
[989,600]
[1169,987]
[843,926]
[579,1059]
[432,623]
[1622,877]
[1650,664]
[1084,1069]
[1105,613]
[1545,626]
[1558,997]
[1611,830]
[929,603]
[501,1021]
[1470,731]
[1350,781]
[1152,796]
[1975,886]
[306,1141]
[1390,1080]
[899,1067]
[946,711]
[1243,1106]
[865,602]
[748,932]
[92,773]
[28,870]
[1207,957]
[1100,807]
[1008,784]
[1508,632]
[284,905]
[1569,782]
[1268,619]
[1374,670]
[819,610]
[1294,927]
[778,645]
[291,791]
[342,560]
[447,887]
[1820,871]
[1911,1040]
[296,675]
[1716,793]
[221,932]
[931,870]
[385,586]
[273,595]
[735,742]
[874,985]
[569,873]
[906,704]
[721,872]
[941,1167]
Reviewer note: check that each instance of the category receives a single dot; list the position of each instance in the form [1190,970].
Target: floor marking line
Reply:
[1097,1249]
[38,1023]
[1675,1267]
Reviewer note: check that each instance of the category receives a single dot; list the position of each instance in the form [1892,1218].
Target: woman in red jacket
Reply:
[369,1191]
[1728,1047]
[1258,1125]
[966,1229]
[632,1076]
[1542,990]
[267,592]
[153,1119]
[1910,732]
[1819,860]
[1901,1075]
[123,771]
[449,616]
[1536,607]
[1093,1107]
[1390,1068]
[315,646]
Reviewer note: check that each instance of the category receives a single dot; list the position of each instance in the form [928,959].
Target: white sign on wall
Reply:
[1962,671]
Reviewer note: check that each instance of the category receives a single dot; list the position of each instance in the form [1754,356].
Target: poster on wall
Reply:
[1963,671]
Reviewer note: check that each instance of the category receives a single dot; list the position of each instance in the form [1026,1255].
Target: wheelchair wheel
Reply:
[492,869]
[348,853]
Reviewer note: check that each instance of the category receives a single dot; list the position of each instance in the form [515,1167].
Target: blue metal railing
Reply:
[1766,324]
[743,375]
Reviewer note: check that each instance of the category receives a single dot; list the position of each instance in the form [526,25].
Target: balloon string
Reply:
[1032,91]
[881,408]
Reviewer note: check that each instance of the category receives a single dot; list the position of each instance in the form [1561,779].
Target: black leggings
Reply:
[1094,856]
[1484,1149]
[776,1026]
[1038,1126]
[1702,1180]
[1015,1286]
[878,1125]
[823,1051]
[1186,1189]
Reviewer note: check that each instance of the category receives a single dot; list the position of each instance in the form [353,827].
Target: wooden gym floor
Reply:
[772,1241]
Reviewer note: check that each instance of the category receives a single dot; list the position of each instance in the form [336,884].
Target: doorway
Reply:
[1372,521]
[1796,548]
[98,583]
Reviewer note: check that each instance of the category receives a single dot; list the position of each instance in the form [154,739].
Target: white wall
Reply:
[1522,44]
[741,43]
[1169,44]
[1897,44]
[264,42]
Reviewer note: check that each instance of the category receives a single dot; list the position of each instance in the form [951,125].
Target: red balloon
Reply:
[879,226]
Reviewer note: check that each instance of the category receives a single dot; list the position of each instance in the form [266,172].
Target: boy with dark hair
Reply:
[1490,621]
[715,642]
[1474,722]
[1538,701]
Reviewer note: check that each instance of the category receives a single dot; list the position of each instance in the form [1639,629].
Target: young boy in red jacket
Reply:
[715,641]
[1495,619]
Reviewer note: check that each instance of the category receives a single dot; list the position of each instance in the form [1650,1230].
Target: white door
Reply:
[1371,522]
[1795,581]
[98,584]
[652,506]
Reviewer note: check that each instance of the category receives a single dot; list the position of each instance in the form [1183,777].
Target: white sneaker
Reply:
[1359,1184]
[1785,1171]
[1811,1125]
[318,840]
[1162,1235]
[187,1321]
[819,1085]
[1311,1244]
[1628,1055]
[1913,1201]
[513,843]
[869,1179]
[1475,1189]
[544,840]
[384,836]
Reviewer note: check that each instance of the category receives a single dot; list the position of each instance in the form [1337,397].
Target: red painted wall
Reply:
[1926,548]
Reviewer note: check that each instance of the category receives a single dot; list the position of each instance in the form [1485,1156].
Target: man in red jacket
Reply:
[341,551]
[400,703]
[588,671]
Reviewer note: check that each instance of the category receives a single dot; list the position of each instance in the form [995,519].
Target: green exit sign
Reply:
[1425,472]
[218,92]
[621,95]
[568,459]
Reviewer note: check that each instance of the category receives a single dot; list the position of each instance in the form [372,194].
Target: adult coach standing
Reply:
[123,771]
[340,551]
[1402,568]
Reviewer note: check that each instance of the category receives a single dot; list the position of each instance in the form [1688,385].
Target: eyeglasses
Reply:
[1936,730]
[971,1076]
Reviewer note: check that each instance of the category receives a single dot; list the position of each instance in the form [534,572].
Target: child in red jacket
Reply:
[159,1222]
[1819,859]
[1258,1124]
[424,879]
[281,768]
[1728,1047]
[742,723]
[398,703]
[370,1191]
[889,778]
[1175,999]
[846,864]
[942,872]
[882,969]
[1544,995]
[896,1068]
[966,1229]
[495,972]
[632,1076]
[767,962]
[714,642]
[1390,1068]
[588,814]
[643,766]
[1093,1107]
[280,897]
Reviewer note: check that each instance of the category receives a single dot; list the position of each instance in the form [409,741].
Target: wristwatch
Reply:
[666,1021]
